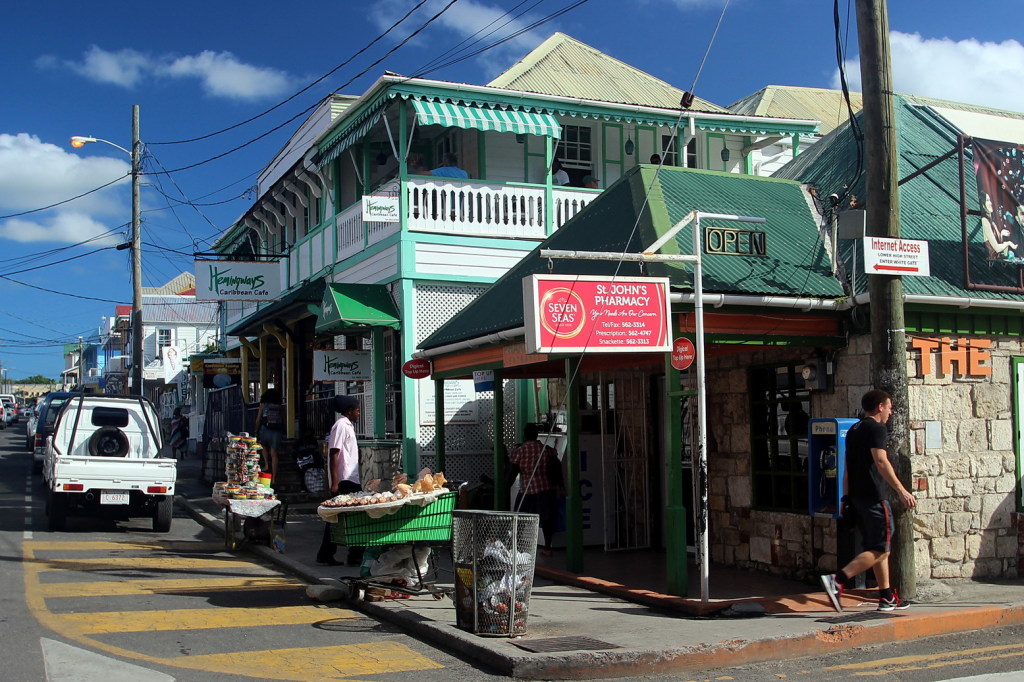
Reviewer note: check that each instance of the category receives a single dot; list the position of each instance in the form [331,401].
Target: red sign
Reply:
[577,313]
[417,368]
[683,353]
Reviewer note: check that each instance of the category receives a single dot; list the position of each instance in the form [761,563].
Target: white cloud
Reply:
[220,73]
[470,20]
[971,71]
[34,174]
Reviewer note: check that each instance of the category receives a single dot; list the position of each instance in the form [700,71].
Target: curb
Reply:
[504,658]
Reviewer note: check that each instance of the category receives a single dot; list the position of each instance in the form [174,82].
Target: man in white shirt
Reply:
[343,471]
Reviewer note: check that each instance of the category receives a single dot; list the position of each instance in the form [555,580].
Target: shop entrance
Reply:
[1018,424]
[615,425]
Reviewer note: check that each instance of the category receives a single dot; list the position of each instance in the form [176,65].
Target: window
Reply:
[668,150]
[163,340]
[779,411]
[691,153]
[575,149]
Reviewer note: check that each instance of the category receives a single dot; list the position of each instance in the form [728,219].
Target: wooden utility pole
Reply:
[888,336]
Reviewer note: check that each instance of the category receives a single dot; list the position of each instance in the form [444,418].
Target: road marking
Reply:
[169,545]
[168,563]
[886,666]
[316,663]
[66,662]
[109,622]
[107,588]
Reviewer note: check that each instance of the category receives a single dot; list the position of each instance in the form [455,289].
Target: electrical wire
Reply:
[65,201]
[61,293]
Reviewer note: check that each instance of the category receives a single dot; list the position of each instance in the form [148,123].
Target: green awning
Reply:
[356,305]
[486,118]
[346,139]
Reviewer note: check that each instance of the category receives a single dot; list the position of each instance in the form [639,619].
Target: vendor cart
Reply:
[247,520]
[409,528]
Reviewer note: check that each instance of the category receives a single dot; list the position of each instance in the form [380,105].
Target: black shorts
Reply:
[874,519]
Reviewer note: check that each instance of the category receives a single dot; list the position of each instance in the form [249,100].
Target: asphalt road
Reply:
[109,600]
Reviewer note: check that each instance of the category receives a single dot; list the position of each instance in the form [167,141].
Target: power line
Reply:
[65,201]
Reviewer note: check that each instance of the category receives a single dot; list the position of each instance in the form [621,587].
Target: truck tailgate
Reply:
[105,472]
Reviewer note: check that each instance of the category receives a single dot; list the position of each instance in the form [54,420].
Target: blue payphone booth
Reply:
[826,462]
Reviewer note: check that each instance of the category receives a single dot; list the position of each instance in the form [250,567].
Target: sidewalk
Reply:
[582,628]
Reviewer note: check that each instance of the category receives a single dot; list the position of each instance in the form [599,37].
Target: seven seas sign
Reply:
[570,313]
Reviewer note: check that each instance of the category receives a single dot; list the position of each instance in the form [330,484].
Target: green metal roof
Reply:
[291,303]
[929,203]
[645,204]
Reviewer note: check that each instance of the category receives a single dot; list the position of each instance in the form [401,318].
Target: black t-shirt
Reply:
[862,476]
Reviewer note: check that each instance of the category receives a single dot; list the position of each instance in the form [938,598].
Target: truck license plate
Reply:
[114,497]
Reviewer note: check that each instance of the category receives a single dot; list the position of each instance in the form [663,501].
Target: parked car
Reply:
[9,412]
[3,417]
[45,419]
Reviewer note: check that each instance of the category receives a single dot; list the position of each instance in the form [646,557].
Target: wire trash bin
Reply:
[494,554]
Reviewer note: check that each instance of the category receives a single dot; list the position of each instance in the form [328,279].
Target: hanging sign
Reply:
[222,372]
[221,280]
[380,208]
[417,368]
[579,313]
[341,365]
[683,353]
[886,256]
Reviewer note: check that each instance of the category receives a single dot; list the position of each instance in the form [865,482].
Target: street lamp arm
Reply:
[79,141]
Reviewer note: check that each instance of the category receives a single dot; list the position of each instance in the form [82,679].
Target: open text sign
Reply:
[577,313]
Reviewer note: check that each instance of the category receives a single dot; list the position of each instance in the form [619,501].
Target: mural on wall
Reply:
[999,167]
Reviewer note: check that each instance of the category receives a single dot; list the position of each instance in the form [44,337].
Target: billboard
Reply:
[999,168]
[577,313]
[221,280]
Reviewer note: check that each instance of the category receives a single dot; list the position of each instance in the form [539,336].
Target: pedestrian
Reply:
[449,168]
[590,182]
[541,484]
[179,434]
[559,176]
[868,473]
[342,472]
[270,429]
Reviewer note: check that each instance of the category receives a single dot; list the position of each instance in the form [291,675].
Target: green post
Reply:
[574,502]
[675,511]
[439,453]
[380,426]
[501,498]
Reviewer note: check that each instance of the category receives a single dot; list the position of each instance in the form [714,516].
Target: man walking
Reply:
[868,472]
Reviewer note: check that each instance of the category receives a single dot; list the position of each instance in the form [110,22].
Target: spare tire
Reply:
[109,441]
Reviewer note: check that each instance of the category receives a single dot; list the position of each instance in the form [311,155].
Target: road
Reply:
[115,601]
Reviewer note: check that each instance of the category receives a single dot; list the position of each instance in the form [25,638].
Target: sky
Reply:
[208,77]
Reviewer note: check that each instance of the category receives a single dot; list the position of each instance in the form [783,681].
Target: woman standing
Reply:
[179,434]
[270,428]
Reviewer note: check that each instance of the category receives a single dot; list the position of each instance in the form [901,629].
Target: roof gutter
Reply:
[716,300]
[958,301]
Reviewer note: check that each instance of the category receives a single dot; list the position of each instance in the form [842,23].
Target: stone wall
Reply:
[965,525]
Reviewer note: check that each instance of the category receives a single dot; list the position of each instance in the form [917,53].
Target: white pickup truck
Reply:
[104,458]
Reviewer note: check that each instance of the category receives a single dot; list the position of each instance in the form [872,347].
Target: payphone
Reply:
[826,463]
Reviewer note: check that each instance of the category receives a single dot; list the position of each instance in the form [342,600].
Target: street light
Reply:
[80,141]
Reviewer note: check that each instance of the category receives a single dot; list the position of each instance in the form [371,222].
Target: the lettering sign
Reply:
[341,365]
[380,209]
[966,357]
[886,256]
[577,313]
[730,241]
[238,281]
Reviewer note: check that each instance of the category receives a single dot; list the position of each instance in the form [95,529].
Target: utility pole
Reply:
[136,322]
[888,335]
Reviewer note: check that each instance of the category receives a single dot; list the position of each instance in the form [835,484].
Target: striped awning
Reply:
[486,118]
[346,139]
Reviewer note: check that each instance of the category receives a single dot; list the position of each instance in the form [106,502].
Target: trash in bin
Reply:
[494,555]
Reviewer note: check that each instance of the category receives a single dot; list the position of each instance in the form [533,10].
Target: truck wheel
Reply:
[109,441]
[163,514]
[56,511]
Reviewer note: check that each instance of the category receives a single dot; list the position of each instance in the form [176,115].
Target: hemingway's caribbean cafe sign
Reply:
[577,313]
[341,365]
[220,280]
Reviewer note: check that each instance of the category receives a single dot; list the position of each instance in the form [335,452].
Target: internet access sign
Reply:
[888,256]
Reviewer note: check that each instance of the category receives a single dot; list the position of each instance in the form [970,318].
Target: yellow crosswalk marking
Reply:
[108,622]
[97,545]
[111,588]
[169,563]
[314,663]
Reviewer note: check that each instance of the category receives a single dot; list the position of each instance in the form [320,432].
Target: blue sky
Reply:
[196,68]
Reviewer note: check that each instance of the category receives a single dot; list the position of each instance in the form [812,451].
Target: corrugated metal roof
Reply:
[564,66]
[929,203]
[179,310]
[796,264]
[780,101]
[178,285]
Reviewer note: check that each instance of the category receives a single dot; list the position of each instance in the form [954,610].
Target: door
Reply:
[1018,425]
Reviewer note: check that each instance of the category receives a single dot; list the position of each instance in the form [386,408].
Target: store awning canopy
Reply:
[346,139]
[356,305]
[486,118]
